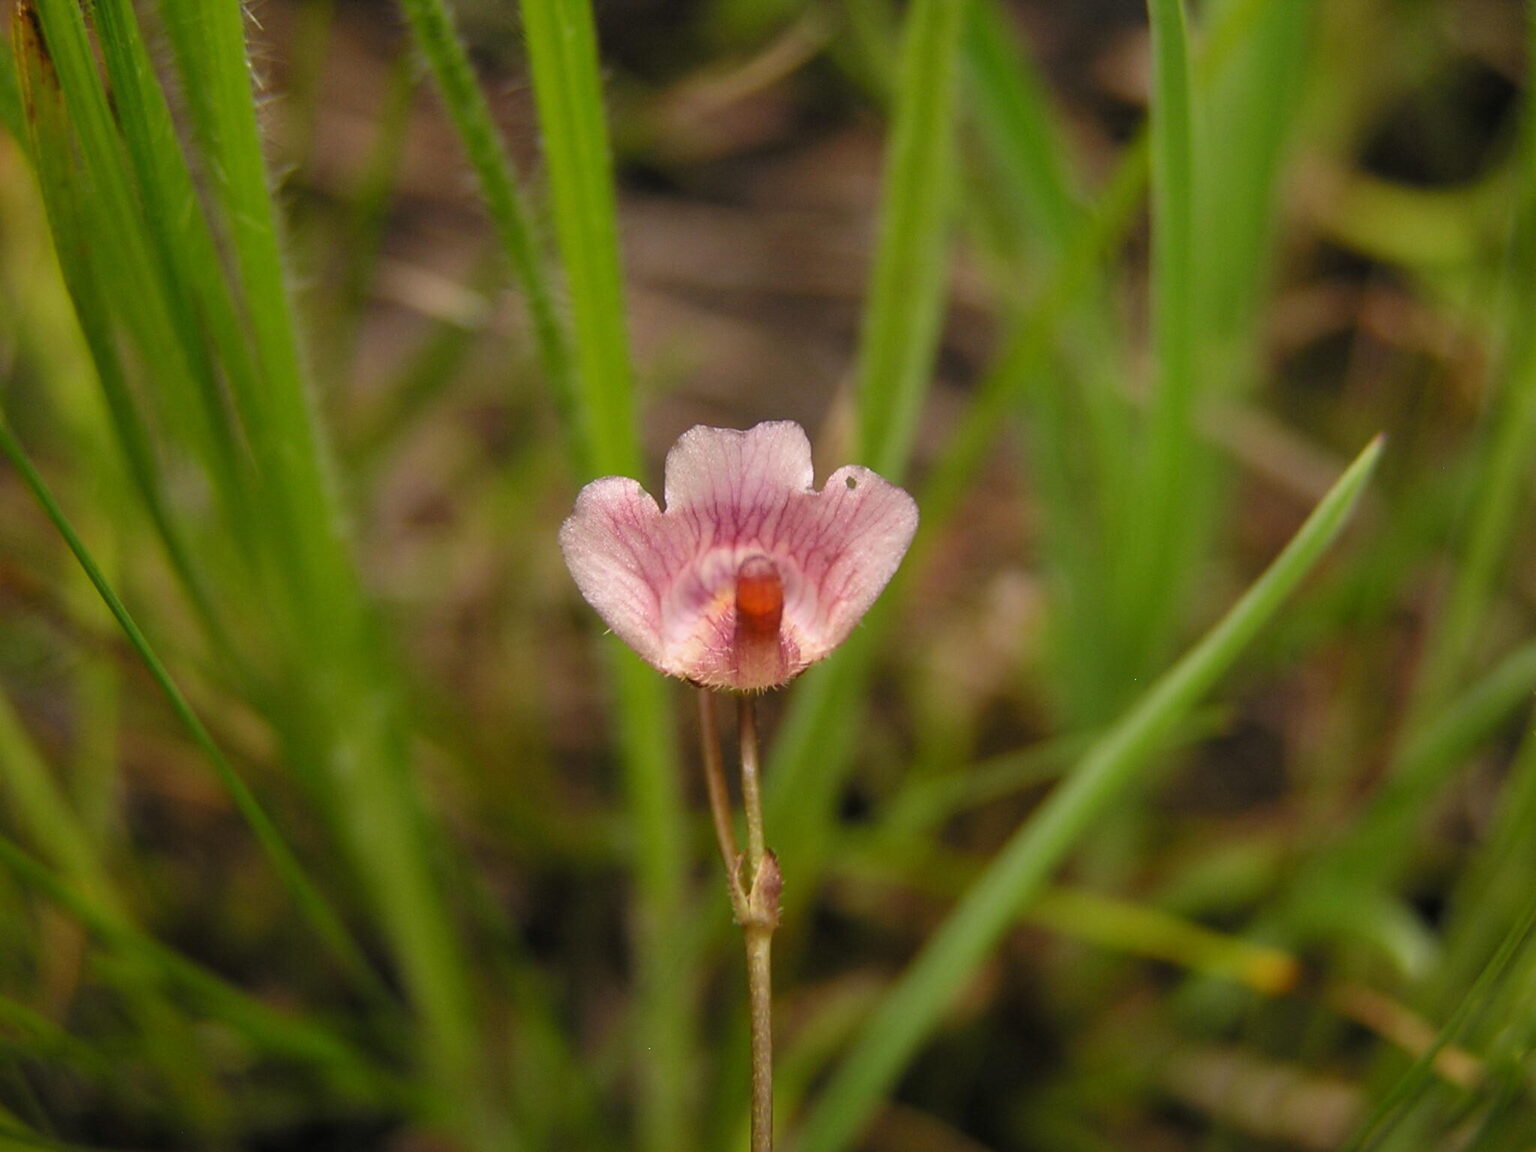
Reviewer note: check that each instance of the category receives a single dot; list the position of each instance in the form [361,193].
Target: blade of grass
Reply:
[899,340]
[1022,868]
[342,712]
[29,1031]
[86,170]
[1495,885]
[1248,117]
[327,923]
[439,44]
[1374,855]
[1408,1090]
[271,1031]
[288,453]
[906,298]
[567,89]
[369,216]
[1082,914]
[11,114]
[39,805]
[1154,538]
[563,57]
[809,757]
[168,1042]
[1014,118]
[1510,431]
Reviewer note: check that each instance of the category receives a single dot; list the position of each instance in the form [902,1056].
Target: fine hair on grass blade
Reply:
[1022,868]
[567,90]
[432,29]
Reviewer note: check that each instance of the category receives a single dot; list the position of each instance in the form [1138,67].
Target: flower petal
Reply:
[729,480]
[669,583]
[846,542]
[625,556]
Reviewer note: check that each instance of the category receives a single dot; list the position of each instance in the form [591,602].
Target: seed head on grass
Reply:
[750,575]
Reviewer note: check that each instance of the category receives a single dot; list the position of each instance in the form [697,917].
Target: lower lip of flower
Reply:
[759,613]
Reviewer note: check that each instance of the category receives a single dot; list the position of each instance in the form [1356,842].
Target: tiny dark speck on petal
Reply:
[851,482]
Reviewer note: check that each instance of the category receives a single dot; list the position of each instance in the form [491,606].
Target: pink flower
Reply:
[750,575]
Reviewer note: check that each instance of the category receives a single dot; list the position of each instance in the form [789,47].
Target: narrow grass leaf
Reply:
[208,45]
[11,115]
[271,1031]
[1509,430]
[908,285]
[1022,868]
[49,821]
[1007,100]
[901,327]
[327,923]
[567,89]
[77,141]
[342,713]
[1399,1099]
[1149,595]
[438,42]
[1491,890]
[40,807]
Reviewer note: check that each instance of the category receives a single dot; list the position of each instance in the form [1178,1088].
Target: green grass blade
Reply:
[1493,888]
[666,979]
[563,56]
[1409,1089]
[1154,551]
[11,115]
[1247,119]
[950,957]
[40,807]
[906,298]
[324,918]
[567,88]
[1510,430]
[208,43]
[274,1032]
[437,40]
[1014,118]
[901,328]
[809,757]
[341,716]
[76,138]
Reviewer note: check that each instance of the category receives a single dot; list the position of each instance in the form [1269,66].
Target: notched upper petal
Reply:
[726,473]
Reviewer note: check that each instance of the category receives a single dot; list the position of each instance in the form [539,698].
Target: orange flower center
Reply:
[759,612]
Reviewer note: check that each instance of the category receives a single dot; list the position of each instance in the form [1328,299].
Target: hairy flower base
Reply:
[750,575]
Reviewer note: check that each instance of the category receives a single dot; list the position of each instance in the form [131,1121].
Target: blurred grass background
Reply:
[1145,811]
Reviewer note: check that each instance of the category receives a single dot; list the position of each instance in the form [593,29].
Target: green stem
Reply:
[751,790]
[760,993]
[758,925]
[720,801]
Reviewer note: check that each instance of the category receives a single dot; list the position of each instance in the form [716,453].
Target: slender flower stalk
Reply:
[761,919]
[720,802]
[746,578]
